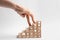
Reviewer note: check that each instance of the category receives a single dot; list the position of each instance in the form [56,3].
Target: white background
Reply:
[48,11]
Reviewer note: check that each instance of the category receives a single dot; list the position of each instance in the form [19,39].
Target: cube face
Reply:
[33,31]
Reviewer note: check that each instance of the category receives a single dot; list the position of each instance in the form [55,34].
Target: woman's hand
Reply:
[24,13]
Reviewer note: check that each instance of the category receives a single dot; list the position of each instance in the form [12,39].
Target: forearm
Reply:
[9,4]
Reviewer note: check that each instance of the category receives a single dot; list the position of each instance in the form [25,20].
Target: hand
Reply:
[24,13]
[28,15]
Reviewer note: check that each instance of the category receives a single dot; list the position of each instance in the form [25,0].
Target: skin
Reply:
[21,11]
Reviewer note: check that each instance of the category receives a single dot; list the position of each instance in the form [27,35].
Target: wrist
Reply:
[18,8]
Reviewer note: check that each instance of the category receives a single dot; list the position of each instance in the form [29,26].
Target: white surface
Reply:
[48,11]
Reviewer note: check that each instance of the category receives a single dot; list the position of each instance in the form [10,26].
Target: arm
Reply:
[21,11]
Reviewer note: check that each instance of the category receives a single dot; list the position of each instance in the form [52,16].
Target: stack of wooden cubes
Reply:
[33,31]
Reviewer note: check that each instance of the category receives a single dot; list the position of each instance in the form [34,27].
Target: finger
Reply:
[28,20]
[32,18]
